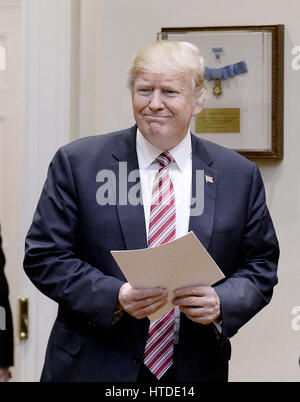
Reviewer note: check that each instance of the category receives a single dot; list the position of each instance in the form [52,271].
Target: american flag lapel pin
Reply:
[209,179]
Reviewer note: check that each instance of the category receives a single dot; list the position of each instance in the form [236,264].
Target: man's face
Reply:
[163,105]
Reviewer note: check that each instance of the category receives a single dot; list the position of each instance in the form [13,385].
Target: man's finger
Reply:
[195,311]
[144,312]
[127,293]
[140,304]
[145,293]
[192,291]
[189,301]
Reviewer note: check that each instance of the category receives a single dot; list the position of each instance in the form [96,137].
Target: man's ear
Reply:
[199,103]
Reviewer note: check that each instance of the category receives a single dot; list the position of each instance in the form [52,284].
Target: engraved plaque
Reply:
[218,120]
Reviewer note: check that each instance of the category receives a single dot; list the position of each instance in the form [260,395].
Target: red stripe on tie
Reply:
[161,353]
[169,328]
[160,323]
[162,228]
[165,363]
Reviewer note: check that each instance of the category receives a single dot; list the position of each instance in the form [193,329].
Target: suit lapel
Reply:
[206,178]
[132,218]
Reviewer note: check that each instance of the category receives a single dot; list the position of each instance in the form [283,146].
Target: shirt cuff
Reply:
[218,325]
[117,315]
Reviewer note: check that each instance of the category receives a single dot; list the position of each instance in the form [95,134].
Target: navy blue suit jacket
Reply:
[68,258]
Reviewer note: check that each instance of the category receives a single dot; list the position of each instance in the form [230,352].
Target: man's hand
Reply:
[4,374]
[199,303]
[142,301]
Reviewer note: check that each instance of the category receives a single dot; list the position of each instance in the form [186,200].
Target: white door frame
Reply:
[10,153]
[47,104]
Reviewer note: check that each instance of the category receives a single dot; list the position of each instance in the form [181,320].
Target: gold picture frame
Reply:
[247,114]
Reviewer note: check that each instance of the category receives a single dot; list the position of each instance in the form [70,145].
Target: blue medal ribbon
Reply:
[225,72]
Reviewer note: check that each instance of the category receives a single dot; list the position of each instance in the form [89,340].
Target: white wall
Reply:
[267,348]
[47,121]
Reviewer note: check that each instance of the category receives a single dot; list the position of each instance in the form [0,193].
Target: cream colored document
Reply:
[179,263]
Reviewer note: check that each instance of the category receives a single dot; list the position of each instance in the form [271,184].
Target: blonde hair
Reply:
[165,57]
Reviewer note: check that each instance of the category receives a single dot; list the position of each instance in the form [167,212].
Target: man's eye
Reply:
[170,93]
[144,91]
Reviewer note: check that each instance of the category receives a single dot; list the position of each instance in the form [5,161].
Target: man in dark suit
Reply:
[102,331]
[6,330]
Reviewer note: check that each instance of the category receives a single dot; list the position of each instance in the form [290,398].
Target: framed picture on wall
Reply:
[244,73]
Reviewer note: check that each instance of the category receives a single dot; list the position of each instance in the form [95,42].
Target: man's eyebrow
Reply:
[173,86]
[167,85]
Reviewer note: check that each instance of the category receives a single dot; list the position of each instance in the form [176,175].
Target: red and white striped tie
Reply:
[162,229]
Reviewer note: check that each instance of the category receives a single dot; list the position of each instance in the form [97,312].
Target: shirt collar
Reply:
[147,153]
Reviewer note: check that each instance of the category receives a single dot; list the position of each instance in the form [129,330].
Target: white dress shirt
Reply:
[180,172]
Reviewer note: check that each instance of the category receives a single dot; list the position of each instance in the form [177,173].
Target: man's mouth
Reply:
[155,118]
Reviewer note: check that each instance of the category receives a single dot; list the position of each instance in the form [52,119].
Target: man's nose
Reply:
[156,101]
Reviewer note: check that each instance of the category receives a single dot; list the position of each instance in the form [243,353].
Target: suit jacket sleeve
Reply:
[250,287]
[6,336]
[52,259]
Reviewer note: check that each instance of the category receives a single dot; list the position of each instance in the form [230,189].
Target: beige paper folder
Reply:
[179,263]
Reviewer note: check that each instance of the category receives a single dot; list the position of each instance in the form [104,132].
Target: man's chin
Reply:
[155,128]
[161,141]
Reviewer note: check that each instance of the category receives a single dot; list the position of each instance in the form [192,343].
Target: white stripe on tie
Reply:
[162,229]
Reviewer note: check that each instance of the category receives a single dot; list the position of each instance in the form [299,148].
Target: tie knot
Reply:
[165,159]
